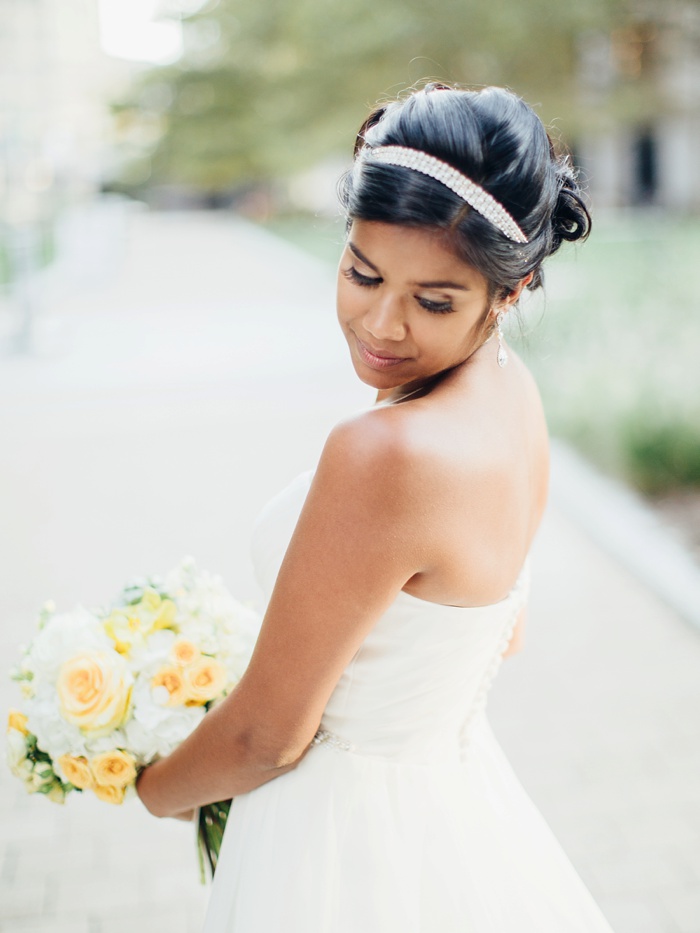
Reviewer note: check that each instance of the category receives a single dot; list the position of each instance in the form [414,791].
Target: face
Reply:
[409,308]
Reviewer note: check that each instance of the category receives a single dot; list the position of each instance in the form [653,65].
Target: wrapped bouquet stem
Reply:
[211,822]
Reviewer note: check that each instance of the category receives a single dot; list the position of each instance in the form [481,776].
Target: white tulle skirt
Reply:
[352,844]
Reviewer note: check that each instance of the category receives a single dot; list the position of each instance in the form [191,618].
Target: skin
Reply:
[443,485]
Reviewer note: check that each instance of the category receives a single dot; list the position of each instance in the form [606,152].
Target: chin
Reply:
[379,380]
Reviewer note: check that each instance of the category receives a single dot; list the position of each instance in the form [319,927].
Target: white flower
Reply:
[105,743]
[62,637]
[153,653]
[157,730]
[16,750]
[42,776]
[54,735]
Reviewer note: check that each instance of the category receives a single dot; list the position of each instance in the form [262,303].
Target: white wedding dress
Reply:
[404,816]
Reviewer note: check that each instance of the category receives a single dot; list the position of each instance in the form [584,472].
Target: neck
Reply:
[420,388]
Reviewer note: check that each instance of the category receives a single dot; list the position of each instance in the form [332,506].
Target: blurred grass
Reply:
[614,342]
[614,346]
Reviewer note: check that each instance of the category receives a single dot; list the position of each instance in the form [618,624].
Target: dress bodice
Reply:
[419,680]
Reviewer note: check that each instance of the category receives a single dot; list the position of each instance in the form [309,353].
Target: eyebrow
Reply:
[440,284]
[361,256]
[461,288]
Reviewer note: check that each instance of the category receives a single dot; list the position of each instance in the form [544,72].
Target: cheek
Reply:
[444,338]
[348,301]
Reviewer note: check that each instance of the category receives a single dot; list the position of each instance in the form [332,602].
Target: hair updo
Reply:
[495,139]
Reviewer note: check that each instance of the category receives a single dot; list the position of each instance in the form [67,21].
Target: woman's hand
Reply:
[186,815]
[142,790]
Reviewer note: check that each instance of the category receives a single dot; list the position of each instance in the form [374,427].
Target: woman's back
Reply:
[481,456]
[420,676]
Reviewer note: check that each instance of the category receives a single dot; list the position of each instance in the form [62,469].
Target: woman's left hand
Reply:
[187,815]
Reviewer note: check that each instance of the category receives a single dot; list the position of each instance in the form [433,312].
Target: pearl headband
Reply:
[475,196]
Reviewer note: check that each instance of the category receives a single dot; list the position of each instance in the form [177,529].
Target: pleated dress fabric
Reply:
[404,816]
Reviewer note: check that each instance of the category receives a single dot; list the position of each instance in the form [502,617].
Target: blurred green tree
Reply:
[265,89]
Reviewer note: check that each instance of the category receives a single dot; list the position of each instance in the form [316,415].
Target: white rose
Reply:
[16,750]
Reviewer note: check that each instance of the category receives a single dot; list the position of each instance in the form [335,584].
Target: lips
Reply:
[377,359]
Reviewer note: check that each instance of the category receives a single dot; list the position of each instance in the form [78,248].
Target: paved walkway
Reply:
[158,414]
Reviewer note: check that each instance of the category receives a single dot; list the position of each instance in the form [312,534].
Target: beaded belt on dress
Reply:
[331,740]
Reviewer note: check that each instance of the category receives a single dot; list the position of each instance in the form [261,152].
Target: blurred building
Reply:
[640,84]
[56,145]
[54,84]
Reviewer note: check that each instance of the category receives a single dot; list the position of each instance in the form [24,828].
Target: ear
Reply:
[515,294]
[506,304]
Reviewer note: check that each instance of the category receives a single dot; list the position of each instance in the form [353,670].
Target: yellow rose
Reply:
[109,793]
[76,770]
[204,680]
[113,769]
[170,678]
[184,652]
[94,690]
[17,720]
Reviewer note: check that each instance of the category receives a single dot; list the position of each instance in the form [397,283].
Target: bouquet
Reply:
[106,692]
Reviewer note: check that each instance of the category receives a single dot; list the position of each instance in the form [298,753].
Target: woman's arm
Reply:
[359,538]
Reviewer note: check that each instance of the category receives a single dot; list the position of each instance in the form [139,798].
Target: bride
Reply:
[370,794]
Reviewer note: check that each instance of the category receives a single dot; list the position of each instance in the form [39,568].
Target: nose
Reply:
[384,318]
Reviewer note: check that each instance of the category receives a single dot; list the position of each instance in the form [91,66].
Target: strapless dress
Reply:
[404,816]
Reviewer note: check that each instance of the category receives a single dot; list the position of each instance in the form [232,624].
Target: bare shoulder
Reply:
[383,456]
[378,438]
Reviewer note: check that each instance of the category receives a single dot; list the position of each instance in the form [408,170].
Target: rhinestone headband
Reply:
[475,196]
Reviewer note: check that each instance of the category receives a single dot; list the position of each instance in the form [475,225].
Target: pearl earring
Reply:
[502,356]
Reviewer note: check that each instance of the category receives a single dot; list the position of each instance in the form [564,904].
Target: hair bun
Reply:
[571,220]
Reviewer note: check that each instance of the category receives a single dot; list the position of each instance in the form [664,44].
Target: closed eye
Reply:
[436,307]
[368,281]
[359,279]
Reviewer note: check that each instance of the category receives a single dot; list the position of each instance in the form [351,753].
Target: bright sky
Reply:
[128,30]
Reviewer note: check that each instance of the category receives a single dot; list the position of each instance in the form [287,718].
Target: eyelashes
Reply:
[368,281]
[359,279]
[436,307]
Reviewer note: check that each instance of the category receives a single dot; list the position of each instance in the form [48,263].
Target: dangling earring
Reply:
[502,356]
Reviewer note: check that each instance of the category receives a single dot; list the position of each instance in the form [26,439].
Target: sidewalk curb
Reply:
[627,529]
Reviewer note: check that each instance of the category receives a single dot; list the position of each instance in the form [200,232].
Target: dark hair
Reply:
[498,141]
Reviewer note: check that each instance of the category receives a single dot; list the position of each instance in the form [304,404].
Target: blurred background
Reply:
[169,360]
[250,109]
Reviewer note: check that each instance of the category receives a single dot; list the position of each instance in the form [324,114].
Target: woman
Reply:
[369,793]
